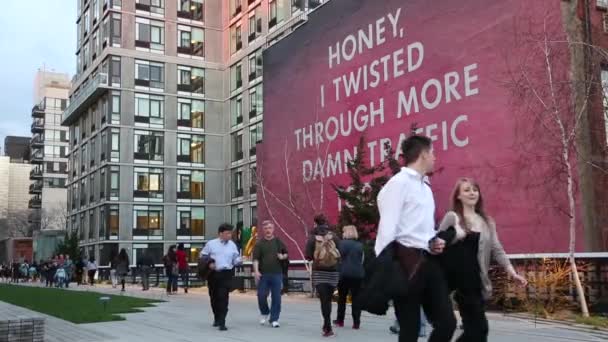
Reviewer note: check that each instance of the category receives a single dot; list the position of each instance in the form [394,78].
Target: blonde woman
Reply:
[351,274]
[472,242]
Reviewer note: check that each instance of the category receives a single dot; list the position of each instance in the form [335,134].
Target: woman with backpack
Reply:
[122,268]
[351,274]
[322,250]
[170,262]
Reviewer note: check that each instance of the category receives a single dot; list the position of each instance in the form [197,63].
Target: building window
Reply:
[147,222]
[255,24]
[148,183]
[54,183]
[190,148]
[237,146]
[92,222]
[81,229]
[256,101]
[83,158]
[150,109]
[237,183]
[150,34]
[235,7]
[103,221]
[115,148]
[114,182]
[191,113]
[92,188]
[254,215]
[237,216]
[149,145]
[102,184]
[190,41]
[116,29]
[190,79]
[92,152]
[191,9]
[191,222]
[236,108]
[115,104]
[94,46]
[113,221]
[83,192]
[253,177]
[95,6]
[255,134]
[236,38]
[272,15]
[190,185]
[149,74]
[236,76]
[255,65]
[297,5]
[152,6]
[115,71]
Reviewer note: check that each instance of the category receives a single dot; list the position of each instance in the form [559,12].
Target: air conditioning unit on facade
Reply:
[602,4]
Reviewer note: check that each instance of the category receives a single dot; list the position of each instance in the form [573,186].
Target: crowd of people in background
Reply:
[57,271]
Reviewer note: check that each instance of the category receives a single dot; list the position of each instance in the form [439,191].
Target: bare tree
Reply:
[17,224]
[554,84]
[54,217]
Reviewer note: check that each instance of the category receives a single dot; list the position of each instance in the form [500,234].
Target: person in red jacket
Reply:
[182,264]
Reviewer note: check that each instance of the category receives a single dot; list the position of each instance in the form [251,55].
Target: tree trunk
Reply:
[580,292]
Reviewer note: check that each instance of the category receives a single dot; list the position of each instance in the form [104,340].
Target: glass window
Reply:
[191,9]
[114,181]
[191,113]
[236,77]
[116,29]
[149,74]
[237,183]
[190,148]
[191,41]
[148,221]
[148,183]
[149,145]
[236,42]
[237,146]
[149,109]
[113,221]
[116,107]
[236,108]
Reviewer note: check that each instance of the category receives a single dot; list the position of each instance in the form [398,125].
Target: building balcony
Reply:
[83,98]
[37,158]
[37,126]
[37,141]
[36,188]
[35,203]
[38,111]
[35,174]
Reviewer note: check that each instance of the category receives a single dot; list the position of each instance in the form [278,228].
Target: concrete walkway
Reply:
[187,317]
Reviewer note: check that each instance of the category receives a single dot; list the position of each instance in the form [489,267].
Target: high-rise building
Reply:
[161,151]
[49,151]
[14,198]
[17,148]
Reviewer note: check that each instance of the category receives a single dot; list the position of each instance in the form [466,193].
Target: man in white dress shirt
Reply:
[223,256]
[407,216]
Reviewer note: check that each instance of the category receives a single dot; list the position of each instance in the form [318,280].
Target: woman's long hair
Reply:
[122,256]
[457,206]
[171,252]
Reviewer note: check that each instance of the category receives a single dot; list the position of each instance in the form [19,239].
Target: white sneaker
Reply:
[276,324]
[263,320]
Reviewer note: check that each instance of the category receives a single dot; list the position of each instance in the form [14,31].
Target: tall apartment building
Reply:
[14,198]
[161,151]
[49,151]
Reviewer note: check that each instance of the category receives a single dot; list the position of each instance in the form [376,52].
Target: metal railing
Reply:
[100,80]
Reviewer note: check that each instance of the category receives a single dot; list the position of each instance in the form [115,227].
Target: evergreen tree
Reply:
[360,207]
[69,246]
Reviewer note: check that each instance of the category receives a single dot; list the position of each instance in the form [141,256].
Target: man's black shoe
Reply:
[223,328]
[215,324]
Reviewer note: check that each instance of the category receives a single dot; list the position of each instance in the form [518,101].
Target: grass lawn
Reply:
[73,306]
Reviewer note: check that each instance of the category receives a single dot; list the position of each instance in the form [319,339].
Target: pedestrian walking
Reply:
[322,250]
[91,270]
[145,266]
[472,241]
[80,266]
[183,267]
[268,271]
[407,209]
[351,274]
[113,263]
[222,255]
[68,265]
[171,270]
[122,268]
